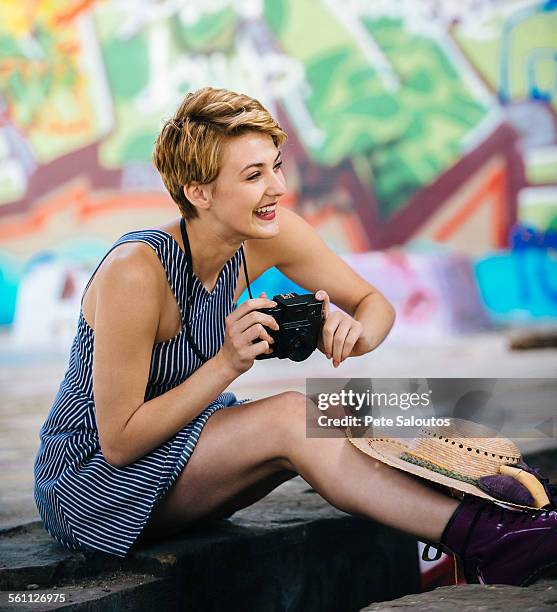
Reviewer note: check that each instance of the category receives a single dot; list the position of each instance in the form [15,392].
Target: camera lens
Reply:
[300,347]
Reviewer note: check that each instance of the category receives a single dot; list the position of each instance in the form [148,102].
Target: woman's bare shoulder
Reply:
[132,271]
[133,261]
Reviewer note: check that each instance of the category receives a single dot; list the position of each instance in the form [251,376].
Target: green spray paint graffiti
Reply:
[397,111]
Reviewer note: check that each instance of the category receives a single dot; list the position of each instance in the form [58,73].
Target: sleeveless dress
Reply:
[84,502]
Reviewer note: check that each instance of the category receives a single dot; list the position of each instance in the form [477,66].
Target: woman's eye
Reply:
[258,174]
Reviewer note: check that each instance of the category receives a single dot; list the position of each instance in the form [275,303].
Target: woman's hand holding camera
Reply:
[243,327]
[340,333]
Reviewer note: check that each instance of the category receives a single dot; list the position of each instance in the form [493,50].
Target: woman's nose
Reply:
[277,186]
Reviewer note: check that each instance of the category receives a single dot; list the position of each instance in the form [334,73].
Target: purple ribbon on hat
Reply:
[550,489]
[507,488]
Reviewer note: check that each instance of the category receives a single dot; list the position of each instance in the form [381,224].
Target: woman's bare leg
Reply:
[169,522]
[245,451]
[362,486]
[236,462]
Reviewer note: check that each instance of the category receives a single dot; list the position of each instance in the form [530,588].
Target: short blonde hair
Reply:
[190,145]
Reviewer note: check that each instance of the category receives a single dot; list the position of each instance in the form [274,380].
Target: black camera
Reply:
[300,320]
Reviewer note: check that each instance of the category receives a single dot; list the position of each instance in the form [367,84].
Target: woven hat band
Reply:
[436,467]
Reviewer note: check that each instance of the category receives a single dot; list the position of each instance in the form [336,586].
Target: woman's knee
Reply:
[251,436]
[290,408]
[292,413]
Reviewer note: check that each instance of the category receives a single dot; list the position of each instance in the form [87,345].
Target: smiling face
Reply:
[250,179]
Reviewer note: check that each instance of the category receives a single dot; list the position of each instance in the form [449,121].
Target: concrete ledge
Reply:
[290,551]
[473,597]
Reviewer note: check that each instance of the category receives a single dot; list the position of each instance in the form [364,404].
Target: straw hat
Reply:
[454,455]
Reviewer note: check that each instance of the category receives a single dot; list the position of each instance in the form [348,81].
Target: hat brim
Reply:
[388,453]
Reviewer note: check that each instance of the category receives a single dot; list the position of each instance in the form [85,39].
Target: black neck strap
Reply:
[189,296]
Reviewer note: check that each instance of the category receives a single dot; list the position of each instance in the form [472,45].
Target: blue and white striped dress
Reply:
[84,502]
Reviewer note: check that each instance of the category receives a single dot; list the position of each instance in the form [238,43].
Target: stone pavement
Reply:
[539,597]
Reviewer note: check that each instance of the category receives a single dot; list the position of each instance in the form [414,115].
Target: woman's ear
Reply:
[199,195]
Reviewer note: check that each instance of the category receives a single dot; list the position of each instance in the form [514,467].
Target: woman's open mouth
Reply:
[267,213]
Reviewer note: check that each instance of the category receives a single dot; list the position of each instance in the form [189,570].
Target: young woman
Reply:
[143,438]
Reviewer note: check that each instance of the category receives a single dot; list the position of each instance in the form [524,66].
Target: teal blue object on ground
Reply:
[272,281]
[519,286]
[10,276]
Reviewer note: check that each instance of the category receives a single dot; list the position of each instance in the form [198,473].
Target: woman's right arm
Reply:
[130,293]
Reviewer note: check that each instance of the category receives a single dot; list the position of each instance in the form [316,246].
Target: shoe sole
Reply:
[546,571]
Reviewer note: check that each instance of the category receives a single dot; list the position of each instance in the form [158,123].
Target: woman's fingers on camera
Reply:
[250,305]
[258,331]
[327,334]
[260,302]
[247,338]
[257,317]
[341,333]
[259,348]
[351,339]
[324,297]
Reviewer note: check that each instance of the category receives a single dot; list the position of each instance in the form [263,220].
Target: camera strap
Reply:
[189,296]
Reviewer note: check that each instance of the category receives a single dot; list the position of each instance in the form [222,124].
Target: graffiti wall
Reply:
[429,125]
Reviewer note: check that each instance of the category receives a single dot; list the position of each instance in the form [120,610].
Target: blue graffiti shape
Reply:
[523,238]
[534,57]
[506,33]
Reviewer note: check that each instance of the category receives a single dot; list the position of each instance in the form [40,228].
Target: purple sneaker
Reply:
[500,546]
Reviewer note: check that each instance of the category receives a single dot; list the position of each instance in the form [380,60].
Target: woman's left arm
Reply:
[366,316]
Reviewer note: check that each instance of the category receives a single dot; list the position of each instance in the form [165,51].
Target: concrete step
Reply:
[107,592]
[473,597]
[290,551]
